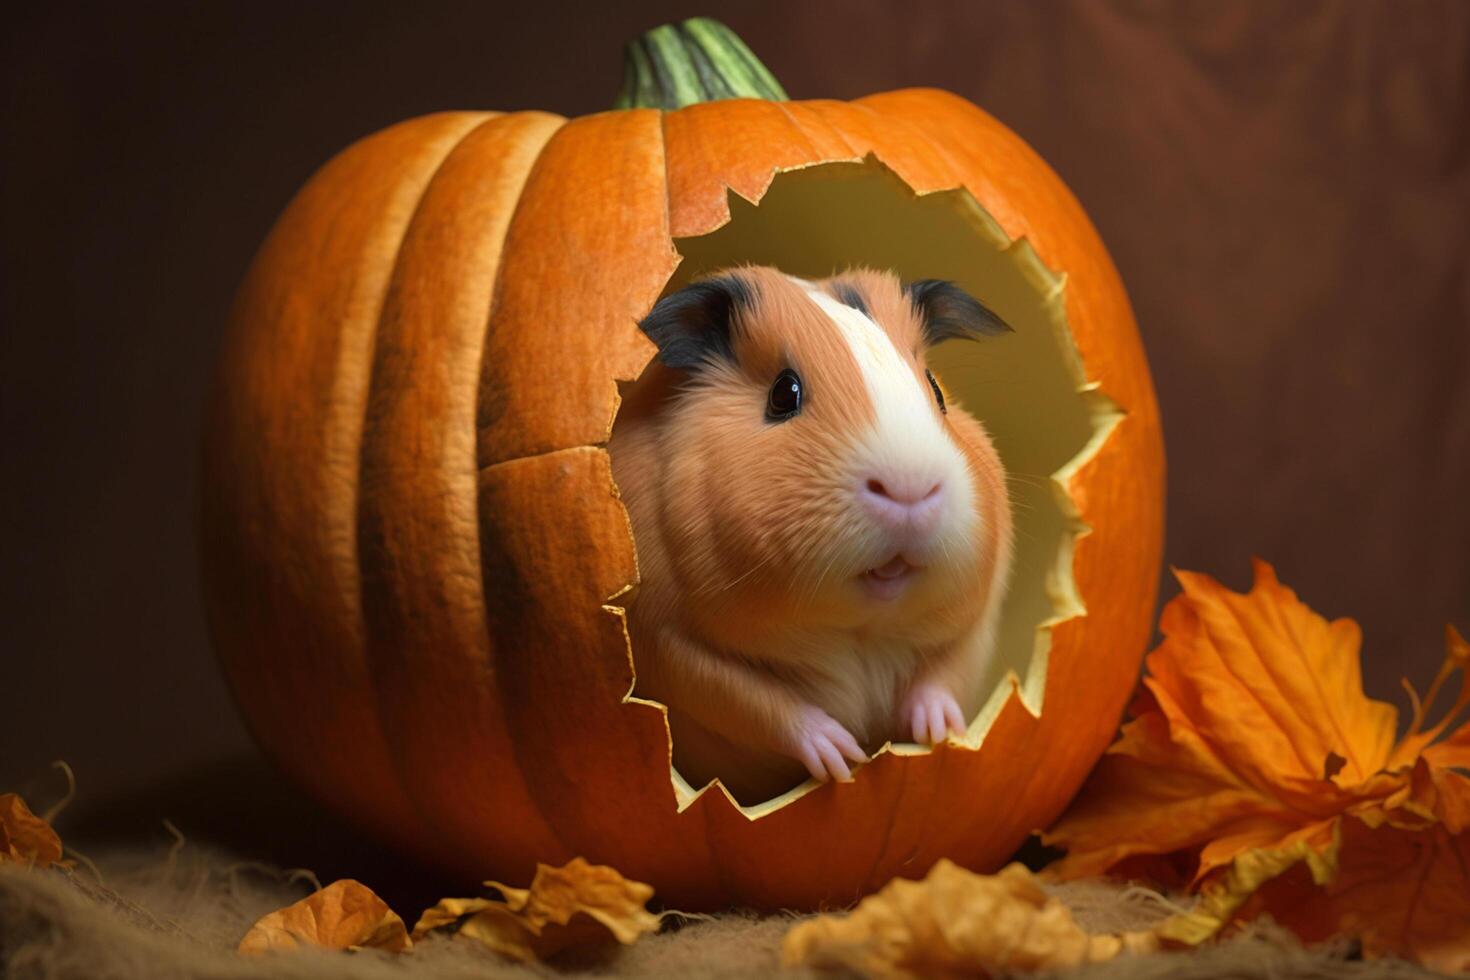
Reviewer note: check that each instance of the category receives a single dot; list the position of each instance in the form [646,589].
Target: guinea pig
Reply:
[823,539]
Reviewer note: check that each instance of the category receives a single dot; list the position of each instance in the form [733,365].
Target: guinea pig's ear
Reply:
[948,312]
[693,326]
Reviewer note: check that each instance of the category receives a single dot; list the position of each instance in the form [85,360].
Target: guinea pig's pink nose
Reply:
[903,501]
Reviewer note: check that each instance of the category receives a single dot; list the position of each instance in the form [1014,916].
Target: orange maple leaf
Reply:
[1253,758]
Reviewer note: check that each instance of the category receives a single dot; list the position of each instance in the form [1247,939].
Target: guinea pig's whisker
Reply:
[1020,534]
[1027,479]
[716,587]
[740,578]
[944,549]
[809,591]
[809,594]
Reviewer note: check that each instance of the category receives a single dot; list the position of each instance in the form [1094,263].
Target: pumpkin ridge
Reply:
[864,134]
[370,345]
[516,761]
[373,669]
[870,882]
[547,235]
[668,218]
[781,107]
[391,506]
[849,153]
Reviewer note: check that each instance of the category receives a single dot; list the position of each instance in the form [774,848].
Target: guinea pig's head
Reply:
[815,474]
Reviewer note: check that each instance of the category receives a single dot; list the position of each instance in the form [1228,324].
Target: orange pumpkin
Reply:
[414,553]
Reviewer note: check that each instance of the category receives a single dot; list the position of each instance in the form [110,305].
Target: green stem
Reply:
[700,60]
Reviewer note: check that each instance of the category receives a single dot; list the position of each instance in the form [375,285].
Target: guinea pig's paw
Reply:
[931,713]
[819,742]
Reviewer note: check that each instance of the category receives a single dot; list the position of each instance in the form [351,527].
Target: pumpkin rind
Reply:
[478,713]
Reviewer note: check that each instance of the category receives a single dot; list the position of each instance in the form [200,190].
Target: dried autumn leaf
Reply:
[1235,894]
[955,923]
[575,905]
[1253,733]
[1397,877]
[24,837]
[344,915]
[1453,751]
[1254,752]
[1402,892]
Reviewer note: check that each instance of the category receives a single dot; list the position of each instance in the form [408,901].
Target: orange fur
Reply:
[748,613]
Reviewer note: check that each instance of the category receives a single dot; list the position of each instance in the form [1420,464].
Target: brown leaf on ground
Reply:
[579,904]
[1291,874]
[955,923]
[1400,879]
[24,837]
[344,915]
[1404,893]
[1254,756]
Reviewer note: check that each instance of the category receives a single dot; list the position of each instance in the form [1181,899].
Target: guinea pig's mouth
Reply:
[889,580]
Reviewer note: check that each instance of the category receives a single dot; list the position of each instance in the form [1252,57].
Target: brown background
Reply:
[1285,187]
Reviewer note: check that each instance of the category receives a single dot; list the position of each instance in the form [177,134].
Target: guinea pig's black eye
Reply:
[938,395]
[784,400]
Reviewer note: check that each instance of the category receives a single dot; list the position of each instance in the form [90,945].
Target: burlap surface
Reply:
[180,913]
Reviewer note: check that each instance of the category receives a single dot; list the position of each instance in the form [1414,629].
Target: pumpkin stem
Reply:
[700,60]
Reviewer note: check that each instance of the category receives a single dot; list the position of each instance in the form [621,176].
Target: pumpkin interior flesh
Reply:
[1027,387]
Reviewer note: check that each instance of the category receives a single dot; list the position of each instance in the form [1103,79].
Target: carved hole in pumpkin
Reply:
[1027,388]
